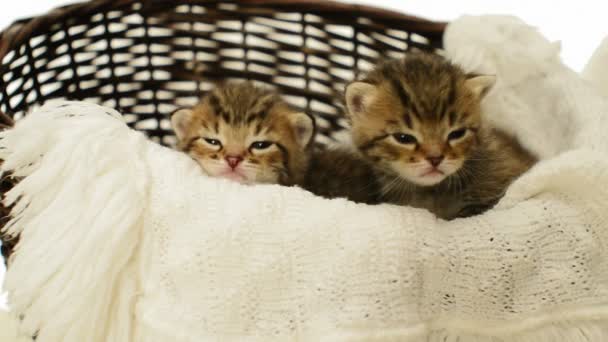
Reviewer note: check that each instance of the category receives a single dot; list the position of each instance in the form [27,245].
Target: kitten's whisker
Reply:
[394,183]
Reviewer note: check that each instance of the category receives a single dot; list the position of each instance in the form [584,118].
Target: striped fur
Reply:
[228,122]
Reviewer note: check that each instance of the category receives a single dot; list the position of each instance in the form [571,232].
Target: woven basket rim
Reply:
[22,29]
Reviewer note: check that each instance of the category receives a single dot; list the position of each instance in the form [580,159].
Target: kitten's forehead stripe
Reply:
[257,110]
[257,128]
[452,117]
[214,102]
[260,112]
[410,105]
[445,102]
[408,120]
[452,92]
[441,109]
[264,104]
[219,111]
[250,119]
[403,96]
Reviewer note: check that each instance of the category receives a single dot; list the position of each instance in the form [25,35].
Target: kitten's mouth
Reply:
[430,177]
[433,173]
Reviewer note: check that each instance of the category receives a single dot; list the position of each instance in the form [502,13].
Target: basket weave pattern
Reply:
[147,58]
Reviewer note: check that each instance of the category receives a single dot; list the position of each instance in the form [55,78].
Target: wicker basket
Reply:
[148,57]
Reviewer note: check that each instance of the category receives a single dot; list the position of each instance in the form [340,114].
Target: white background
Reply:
[580,25]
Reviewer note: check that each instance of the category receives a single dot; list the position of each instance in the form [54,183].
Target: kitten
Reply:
[418,121]
[247,134]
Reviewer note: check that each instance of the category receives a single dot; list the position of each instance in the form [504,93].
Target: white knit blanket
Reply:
[124,240]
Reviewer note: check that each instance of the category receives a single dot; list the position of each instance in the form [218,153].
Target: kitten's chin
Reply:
[247,178]
[426,178]
[230,175]
[429,179]
[236,177]
[244,175]
[427,175]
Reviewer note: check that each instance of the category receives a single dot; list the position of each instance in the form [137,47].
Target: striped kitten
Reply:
[418,121]
[247,134]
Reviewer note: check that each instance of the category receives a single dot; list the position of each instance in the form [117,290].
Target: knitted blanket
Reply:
[124,240]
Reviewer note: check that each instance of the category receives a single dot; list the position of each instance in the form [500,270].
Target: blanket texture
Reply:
[124,240]
[9,328]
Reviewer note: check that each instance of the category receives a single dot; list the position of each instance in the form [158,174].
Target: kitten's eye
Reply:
[457,134]
[213,142]
[403,138]
[261,145]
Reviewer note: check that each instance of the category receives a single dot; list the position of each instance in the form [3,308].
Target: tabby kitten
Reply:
[247,134]
[418,121]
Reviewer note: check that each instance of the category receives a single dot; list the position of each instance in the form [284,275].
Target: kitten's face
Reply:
[245,134]
[422,129]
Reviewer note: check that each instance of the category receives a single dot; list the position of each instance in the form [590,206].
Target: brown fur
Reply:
[429,98]
[237,115]
[339,173]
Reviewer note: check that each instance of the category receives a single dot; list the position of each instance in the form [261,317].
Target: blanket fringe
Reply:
[82,279]
[9,329]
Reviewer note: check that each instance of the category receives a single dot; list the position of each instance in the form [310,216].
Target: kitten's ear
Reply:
[359,95]
[181,120]
[303,127]
[480,85]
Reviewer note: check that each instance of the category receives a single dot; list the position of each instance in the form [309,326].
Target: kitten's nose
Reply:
[233,161]
[435,160]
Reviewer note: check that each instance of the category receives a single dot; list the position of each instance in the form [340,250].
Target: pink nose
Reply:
[435,160]
[234,161]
